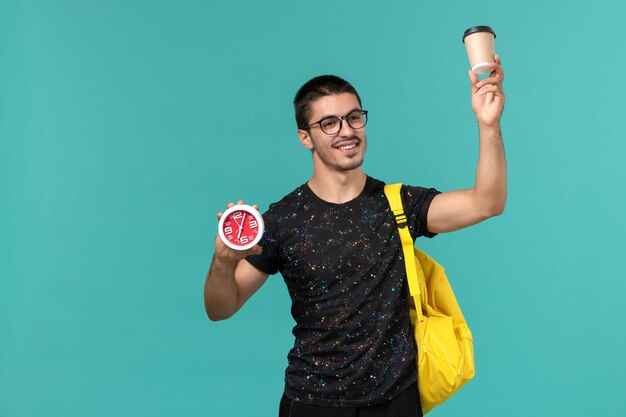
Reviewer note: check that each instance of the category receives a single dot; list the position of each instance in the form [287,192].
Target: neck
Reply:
[338,187]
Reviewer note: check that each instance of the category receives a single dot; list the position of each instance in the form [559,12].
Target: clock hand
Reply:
[243,221]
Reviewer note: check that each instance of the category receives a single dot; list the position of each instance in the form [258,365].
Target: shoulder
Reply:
[408,192]
[289,204]
[419,193]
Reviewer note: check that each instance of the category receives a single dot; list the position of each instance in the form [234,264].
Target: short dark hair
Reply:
[323,85]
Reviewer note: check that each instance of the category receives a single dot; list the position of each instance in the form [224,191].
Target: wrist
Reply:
[486,127]
[223,265]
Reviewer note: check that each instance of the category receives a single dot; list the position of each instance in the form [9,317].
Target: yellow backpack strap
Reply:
[392,191]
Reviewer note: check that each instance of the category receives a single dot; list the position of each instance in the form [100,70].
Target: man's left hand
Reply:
[488,95]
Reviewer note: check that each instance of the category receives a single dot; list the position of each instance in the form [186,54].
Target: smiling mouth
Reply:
[347,146]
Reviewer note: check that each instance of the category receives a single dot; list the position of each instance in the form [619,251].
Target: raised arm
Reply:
[455,210]
[231,280]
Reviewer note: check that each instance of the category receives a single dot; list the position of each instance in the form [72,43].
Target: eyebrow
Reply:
[334,115]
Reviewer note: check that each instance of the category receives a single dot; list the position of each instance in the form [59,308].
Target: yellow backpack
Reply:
[445,349]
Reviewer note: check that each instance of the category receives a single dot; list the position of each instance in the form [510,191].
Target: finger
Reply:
[497,58]
[490,88]
[494,65]
[255,206]
[489,80]
[497,70]
[489,98]
[240,202]
[229,205]
[255,250]
[473,81]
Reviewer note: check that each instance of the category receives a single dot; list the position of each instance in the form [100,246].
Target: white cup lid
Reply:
[481,68]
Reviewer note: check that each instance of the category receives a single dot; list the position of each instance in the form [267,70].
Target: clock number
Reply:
[253,224]
[237,215]
[244,239]
[228,230]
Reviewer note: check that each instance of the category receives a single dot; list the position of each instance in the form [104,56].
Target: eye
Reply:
[330,122]
[355,116]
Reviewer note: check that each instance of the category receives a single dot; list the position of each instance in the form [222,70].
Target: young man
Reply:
[334,241]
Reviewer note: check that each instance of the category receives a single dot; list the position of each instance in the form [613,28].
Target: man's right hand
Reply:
[231,279]
[225,254]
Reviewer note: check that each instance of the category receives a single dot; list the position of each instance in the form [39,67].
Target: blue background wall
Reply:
[116,121]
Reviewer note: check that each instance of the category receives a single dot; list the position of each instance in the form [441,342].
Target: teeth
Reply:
[346,147]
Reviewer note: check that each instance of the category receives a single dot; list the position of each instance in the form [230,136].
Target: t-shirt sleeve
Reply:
[267,261]
[416,202]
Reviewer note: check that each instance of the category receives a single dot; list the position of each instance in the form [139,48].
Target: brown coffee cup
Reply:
[480,45]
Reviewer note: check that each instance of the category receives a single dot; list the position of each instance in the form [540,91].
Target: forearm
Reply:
[220,289]
[490,189]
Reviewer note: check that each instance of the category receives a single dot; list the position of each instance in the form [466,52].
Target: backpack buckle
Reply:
[401,220]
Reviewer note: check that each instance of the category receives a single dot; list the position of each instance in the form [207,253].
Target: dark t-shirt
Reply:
[344,269]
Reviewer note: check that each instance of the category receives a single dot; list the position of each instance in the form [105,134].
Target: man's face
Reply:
[343,151]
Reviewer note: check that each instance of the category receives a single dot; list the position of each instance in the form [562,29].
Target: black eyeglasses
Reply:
[331,125]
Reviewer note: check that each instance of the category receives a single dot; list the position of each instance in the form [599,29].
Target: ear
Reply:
[305,138]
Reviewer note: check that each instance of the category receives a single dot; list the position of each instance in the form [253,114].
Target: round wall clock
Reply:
[241,227]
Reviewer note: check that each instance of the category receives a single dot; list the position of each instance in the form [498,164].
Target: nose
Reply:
[345,130]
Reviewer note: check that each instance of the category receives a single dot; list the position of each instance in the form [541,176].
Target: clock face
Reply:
[241,227]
